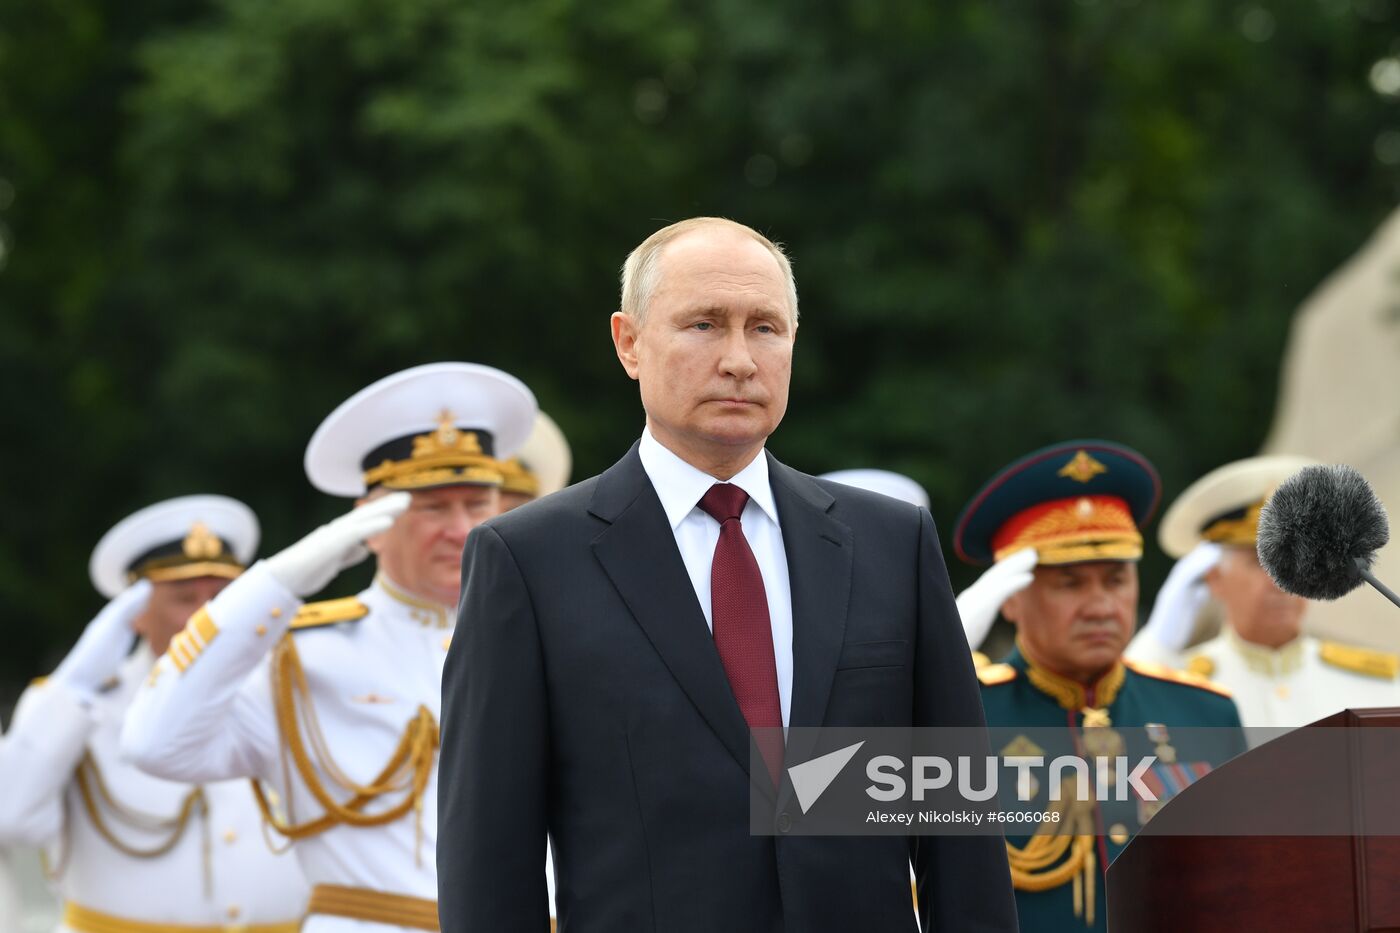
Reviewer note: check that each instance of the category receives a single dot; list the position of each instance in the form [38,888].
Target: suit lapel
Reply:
[819,556]
[639,554]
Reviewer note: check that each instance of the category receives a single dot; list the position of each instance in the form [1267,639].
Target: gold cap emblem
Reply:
[201,543]
[446,439]
[1082,468]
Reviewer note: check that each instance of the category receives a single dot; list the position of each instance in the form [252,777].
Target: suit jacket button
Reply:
[784,822]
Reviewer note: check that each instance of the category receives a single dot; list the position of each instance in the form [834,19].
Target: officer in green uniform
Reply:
[1065,686]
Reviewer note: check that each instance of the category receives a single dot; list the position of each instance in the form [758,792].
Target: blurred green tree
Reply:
[1011,223]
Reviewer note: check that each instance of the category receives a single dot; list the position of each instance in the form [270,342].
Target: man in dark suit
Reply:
[618,640]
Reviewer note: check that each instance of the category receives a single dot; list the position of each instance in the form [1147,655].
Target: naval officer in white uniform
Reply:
[333,707]
[1278,675]
[131,853]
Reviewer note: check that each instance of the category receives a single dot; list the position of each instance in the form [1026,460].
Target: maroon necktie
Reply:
[742,630]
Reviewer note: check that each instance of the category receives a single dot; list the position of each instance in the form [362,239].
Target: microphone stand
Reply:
[1370,578]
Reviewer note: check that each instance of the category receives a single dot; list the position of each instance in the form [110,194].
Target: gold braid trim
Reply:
[517,478]
[1237,532]
[226,570]
[409,768]
[335,900]
[1034,868]
[89,777]
[84,920]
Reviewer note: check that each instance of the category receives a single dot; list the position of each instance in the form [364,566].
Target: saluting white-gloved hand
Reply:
[1181,597]
[311,563]
[979,603]
[105,642]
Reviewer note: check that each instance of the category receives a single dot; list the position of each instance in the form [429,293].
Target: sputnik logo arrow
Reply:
[811,778]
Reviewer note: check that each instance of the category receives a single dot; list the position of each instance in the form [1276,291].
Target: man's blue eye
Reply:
[703,325]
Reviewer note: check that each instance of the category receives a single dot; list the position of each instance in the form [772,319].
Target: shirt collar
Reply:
[680,485]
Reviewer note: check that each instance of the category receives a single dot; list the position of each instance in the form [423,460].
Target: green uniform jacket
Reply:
[1053,711]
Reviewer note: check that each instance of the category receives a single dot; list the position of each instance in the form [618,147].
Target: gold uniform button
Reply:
[260,630]
[233,912]
[1118,834]
[230,836]
[277,612]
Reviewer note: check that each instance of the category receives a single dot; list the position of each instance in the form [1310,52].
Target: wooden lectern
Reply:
[1208,861]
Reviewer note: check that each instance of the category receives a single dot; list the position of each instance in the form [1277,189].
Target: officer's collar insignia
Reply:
[1071,694]
[422,611]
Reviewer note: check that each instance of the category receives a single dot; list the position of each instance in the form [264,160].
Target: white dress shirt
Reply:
[680,487]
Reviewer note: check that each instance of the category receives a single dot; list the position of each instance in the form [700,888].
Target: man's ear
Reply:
[624,334]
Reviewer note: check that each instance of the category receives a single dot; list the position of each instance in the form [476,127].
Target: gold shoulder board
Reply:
[1366,661]
[329,612]
[980,660]
[992,674]
[1187,678]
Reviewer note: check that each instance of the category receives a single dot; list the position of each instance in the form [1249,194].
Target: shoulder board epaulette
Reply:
[1359,660]
[1186,678]
[1201,666]
[39,681]
[992,674]
[329,612]
[980,660]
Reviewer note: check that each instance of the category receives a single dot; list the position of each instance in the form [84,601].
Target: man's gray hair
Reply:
[641,273]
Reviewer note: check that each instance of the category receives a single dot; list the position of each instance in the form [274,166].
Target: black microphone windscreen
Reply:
[1315,527]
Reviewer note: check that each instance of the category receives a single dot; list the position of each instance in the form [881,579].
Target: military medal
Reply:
[1158,736]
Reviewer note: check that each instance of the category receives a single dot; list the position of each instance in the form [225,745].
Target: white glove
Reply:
[979,603]
[1181,597]
[105,642]
[307,566]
